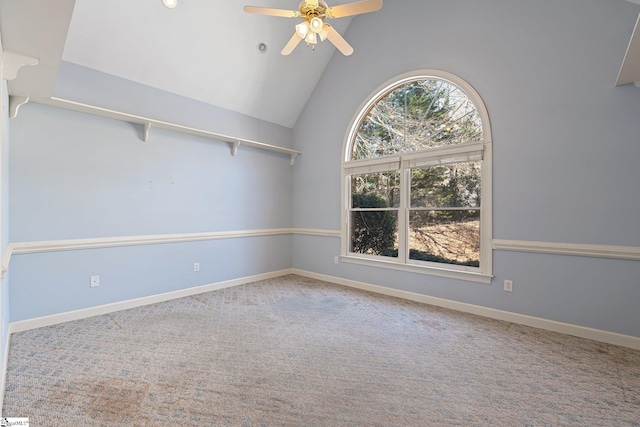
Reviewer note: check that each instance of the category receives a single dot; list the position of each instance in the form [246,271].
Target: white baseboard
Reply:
[521,319]
[54,319]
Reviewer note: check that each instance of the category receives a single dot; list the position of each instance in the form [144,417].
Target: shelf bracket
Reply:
[147,128]
[12,62]
[147,123]
[15,102]
[234,147]
[630,69]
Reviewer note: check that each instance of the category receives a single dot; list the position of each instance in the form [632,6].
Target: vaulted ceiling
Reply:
[202,50]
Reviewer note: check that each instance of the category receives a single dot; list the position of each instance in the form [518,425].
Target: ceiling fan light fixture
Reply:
[170,3]
[313,14]
[302,29]
[316,24]
[323,33]
[311,38]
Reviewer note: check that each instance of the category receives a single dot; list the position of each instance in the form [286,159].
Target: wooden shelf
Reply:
[152,123]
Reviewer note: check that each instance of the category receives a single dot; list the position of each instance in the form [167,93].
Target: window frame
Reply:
[481,274]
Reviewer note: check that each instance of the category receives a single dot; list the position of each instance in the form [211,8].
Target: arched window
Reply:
[417,179]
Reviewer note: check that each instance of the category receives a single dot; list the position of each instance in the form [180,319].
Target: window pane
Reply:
[440,114]
[417,116]
[455,185]
[376,190]
[449,237]
[374,232]
[381,132]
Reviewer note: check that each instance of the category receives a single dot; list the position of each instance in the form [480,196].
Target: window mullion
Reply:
[403,216]
[346,221]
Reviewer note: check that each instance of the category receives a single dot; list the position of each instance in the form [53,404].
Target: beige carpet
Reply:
[298,352]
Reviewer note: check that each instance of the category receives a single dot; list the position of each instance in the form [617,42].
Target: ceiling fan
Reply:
[312,27]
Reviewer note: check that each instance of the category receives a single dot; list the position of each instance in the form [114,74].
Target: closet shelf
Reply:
[152,123]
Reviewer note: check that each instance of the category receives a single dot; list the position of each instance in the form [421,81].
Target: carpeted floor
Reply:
[293,351]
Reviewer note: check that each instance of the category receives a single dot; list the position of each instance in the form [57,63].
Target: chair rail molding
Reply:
[550,248]
[571,249]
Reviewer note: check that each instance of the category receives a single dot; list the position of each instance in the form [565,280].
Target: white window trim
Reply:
[484,273]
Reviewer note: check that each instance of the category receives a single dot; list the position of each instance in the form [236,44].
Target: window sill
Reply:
[432,271]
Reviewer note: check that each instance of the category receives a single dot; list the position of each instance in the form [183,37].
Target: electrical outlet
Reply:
[336,260]
[196,266]
[508,285]
[94,282]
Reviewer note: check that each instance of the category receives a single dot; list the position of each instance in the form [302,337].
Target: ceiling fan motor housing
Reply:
[309,11]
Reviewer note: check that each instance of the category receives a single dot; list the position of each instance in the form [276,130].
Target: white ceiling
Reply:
[202,49]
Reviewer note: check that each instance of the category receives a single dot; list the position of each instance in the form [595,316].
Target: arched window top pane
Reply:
[414,116]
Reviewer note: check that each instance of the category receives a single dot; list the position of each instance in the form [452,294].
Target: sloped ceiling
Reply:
[202,50]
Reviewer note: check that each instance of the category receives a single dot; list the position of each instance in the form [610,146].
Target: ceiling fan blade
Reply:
[337,40]
[291,44]
[272,12]
[356,8]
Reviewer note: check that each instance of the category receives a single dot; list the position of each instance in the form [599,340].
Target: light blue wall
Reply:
[89,86]
[57,282]
[5,165]
[74,175]
[566,146]
[4,285]
[565,151]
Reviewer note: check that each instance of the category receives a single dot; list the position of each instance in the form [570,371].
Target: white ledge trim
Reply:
[316,232]
[113,242]
[110,242]
[574,249]
[152,123]
[413,268]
